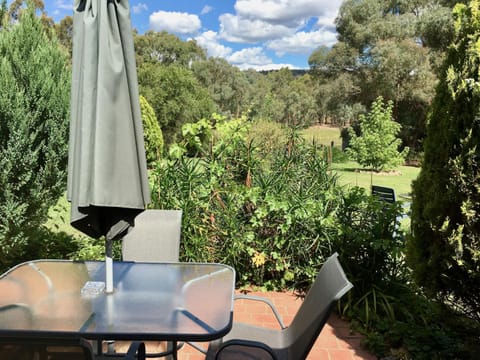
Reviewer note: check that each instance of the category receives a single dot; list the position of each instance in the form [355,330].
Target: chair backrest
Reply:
[155,237]
[384,193]
[329,286]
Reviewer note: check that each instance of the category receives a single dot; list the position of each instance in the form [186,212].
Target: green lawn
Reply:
[323,135]
[400,180]
[350,172]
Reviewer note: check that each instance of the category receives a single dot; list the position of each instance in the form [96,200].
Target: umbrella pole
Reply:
[108,267]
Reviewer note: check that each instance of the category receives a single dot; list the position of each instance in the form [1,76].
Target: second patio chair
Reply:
[154,238]
[294,342]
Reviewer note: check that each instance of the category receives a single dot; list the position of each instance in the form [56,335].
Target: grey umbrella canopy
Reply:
[107,172]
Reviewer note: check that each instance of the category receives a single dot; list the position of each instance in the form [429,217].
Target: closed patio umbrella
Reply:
[107,172]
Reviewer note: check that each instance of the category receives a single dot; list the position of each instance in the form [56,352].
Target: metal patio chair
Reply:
[294,342]
[154,238]
[384,193]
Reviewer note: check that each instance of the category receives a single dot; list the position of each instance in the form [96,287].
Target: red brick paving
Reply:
[336,341]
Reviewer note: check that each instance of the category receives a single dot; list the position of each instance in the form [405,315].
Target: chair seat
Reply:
[273,338]
[238,351]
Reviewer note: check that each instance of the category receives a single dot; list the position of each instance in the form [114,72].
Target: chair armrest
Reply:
[265,301]
[243,349]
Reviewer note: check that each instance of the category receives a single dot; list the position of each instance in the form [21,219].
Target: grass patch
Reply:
[350,174]
[323,135]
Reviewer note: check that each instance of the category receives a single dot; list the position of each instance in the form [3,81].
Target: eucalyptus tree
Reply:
[389,49]
[264,104]
[290,98]
[18,6]
[165,48]
[338,87]
[227,85]
[175,95]
[64,32]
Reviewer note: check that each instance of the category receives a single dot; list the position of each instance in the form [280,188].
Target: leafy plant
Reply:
[273,223]
[377,145]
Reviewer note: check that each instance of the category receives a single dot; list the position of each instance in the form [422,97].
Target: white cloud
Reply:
[175,22]
[206,9]
[287,12]
[327,21]
[209,41]
[64,4]
[281,26]
[254,56]
[302,42]
[137,9]
[236,29]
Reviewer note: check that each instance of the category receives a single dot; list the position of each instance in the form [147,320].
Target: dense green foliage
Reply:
[275,223]
[445,245]
[175,95]
[152,133]
[3,12]
[167,49]
[226,84]
[34,103]
[377,145]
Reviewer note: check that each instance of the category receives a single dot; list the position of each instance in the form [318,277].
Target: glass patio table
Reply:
[151,301]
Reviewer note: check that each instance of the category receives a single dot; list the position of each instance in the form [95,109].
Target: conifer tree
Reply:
[34,106]
[152,133]
[444,250]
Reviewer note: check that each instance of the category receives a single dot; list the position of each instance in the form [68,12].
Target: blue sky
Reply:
[259,34]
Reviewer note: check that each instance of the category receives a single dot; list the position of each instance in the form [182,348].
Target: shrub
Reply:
[444,249]
[377,145]
[267,137]
[272,224]
[34,103]
[152,133]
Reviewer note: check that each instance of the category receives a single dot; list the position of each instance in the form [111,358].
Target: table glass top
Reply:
[151,301]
